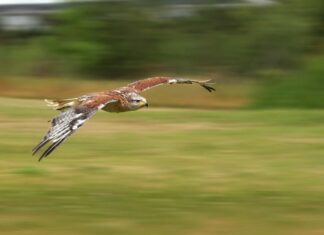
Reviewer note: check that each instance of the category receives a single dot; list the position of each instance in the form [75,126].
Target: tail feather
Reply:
[62,104]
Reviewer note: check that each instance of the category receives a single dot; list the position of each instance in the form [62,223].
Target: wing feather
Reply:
[67,122]
[63,126]
[145,84]
[51,148]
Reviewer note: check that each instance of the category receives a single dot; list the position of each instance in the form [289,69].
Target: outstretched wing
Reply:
[145,84]
[63,125]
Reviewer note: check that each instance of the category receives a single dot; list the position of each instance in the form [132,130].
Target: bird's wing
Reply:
[67,122]
[145,84]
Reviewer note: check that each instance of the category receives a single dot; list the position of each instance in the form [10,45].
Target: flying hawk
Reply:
[76,111]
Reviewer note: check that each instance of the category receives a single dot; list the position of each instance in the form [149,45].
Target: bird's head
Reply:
[135,101]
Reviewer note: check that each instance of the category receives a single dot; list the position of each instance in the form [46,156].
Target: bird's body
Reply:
[76,111]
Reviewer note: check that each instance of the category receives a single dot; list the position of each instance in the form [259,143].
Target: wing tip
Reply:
[209,88]
[39,146]
[207,85]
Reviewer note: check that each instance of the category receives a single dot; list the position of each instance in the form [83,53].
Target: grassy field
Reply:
[164,171]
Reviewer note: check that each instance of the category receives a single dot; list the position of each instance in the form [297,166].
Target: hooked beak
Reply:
[144,104]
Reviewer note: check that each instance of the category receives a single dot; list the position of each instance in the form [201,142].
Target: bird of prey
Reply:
[76,111]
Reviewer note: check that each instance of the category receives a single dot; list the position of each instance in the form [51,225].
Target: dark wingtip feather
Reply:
[208,88]
[50,149]
[206,84]
[39,146]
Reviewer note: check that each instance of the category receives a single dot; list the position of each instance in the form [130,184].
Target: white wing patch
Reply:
[172,81]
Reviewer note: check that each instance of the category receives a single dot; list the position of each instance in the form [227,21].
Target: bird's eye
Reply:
[137,101]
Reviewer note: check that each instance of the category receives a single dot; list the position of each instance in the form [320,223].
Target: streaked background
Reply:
[246,159]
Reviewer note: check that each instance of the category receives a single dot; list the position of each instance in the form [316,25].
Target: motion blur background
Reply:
[247,159]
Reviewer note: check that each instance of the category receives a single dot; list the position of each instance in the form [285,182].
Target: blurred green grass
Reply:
[164,171]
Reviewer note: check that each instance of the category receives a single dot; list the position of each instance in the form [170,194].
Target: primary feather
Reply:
[62,126]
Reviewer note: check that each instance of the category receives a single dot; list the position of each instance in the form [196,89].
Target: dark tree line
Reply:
[122,39]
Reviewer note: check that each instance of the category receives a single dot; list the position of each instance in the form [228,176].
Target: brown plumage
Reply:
[76,111]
